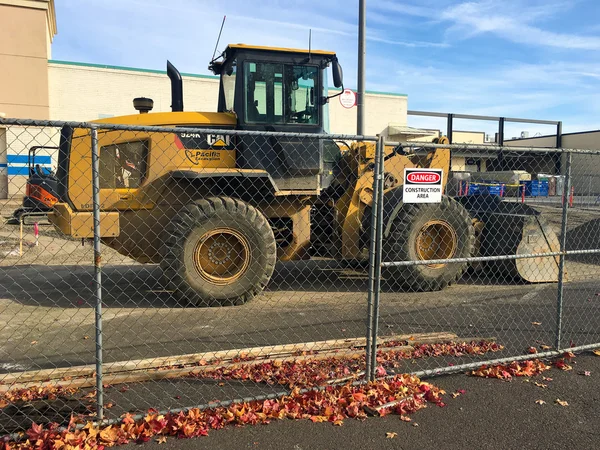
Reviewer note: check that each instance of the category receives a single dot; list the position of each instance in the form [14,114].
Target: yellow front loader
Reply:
[217,211]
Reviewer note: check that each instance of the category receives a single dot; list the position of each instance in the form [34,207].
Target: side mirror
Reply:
[338,75]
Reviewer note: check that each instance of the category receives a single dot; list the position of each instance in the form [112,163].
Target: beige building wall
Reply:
[26,30]
[458,137]
[381,109]
[83,92]
[89,91]
[468,137]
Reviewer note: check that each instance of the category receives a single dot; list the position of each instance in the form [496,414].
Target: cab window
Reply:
[123,166]
[280,94]
[300,95]
[263,92]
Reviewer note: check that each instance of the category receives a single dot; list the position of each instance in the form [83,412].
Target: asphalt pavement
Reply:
[491,414]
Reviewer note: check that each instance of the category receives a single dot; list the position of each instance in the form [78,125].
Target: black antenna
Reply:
[309,39]
[219,38]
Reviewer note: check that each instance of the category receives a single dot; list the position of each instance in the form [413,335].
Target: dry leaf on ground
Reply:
[391,435]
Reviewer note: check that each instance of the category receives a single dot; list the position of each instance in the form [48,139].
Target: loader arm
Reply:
[358,198]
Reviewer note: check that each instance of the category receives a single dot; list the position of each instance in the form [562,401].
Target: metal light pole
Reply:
[360,101]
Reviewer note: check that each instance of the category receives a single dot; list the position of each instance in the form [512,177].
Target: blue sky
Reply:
[515,58]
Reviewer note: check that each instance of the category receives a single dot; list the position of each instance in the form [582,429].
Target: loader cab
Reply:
[281,89]
[285,90]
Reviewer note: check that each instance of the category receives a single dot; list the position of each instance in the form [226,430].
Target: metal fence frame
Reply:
[373,296]
[377,236]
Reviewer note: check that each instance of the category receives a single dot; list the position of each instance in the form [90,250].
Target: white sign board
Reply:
[422,185]
[348,98]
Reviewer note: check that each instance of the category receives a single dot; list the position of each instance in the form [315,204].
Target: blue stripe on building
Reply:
[18,171]
[22,159]
[2,165]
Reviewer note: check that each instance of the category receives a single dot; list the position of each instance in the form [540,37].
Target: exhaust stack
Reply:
[176,87]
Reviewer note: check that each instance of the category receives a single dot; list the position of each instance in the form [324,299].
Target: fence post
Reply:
[378,251]
[374,266]
[375,262]
[97,273]
[563,244]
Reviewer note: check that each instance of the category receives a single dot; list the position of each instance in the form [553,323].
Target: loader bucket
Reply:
[514,229]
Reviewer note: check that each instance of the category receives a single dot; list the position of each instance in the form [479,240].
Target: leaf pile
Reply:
[332,404]
[35,393]
[302,372]
[515,369]
[454,349]
[317,372]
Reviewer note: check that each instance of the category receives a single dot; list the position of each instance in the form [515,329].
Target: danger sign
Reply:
[348,98]
[422,185]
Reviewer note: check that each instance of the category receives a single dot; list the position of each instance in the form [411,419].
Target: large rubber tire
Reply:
[211,235]
[450,233]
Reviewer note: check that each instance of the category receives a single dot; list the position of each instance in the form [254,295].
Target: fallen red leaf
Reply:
[562,364]
[518,369]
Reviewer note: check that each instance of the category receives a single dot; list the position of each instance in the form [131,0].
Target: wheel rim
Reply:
[222,256]
[436,240]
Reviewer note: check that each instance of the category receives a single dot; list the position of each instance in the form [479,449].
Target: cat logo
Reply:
[218,140]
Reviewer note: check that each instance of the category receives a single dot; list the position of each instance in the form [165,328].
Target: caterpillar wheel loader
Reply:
[217,211]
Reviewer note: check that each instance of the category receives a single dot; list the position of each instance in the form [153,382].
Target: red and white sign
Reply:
[348,98]
[422,185]
[423,177]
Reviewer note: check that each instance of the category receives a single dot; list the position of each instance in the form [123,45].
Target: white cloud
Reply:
[412,44]
[512,20]
[552,91]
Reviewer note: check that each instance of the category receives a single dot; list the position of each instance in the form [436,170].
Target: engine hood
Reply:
[184,118]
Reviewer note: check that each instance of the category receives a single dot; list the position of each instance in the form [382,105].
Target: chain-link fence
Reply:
[179,267]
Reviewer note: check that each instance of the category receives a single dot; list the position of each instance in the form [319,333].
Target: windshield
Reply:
[280,93]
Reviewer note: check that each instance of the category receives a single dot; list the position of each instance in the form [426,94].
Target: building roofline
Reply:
[551,135]
[192,75]
[129,69]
